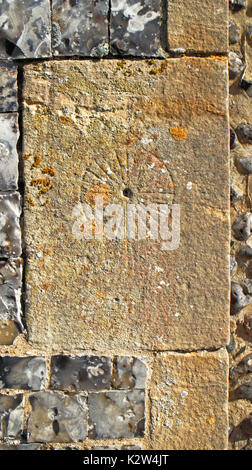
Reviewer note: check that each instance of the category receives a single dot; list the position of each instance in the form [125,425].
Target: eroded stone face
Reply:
[81,373]
[11,416]
[129,372]
[135,27]
[116,414]
[8,151]
[24,29]
[10,234]
[10,292]
[8,87]
[126,132]
[28,373]
[56,417]
[80,28]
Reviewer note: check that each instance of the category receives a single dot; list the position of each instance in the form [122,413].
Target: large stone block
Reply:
[198,26]
[138,133]
[189,401]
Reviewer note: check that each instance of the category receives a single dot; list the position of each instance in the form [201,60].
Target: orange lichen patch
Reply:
[222,58]
[43,185]
[65,119]
[29,200]
[27,155]
[37,161]
[178,133]
[162,68]
[95,191]
[49,250]
[211,420]
[122,63]
[129,72]
[49,171]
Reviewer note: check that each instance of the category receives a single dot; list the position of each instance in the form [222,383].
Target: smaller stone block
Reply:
[10,293]
[129,372]
[10,233]
[116,414]
[135,27]
[9,134]
[28,373]
[56,417]
[198,26]
[8,87]
[80,373]
[25,29]
[11,416]
[80,28]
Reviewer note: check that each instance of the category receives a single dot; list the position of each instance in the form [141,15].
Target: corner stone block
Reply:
[11,416]
[10,233]
[198,26]
[116,414]
[135,27]
[9,134]
[56,417]
[27,373]
[189,401]
[80,373]
[80,28]
[10,293]
[8,87]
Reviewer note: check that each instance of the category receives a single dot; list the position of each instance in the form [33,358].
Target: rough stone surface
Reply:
[56,417]
[80,28]
[116,414]
[24,29]
[28,373]
[135,27]
[8,152]
[189,401]
[129,372]
[8,87]
[11,416]
[81,373]
[198,26]
[10,234]
[10,292]
[121,129]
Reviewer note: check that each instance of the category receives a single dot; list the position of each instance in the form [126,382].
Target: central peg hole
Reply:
[127,192]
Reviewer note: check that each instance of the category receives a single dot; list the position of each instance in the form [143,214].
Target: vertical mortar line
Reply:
[109,19]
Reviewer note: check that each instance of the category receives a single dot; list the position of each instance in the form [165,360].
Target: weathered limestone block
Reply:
[9,134]
[10,234]
[28,373]
[129,372]
[80,373]
[189,401]
[8,87]
[116,414]
[125,132]
[80,28]
[135,27]
[11,415]
[196,25]
[10,293]
[56,417]
[25,29]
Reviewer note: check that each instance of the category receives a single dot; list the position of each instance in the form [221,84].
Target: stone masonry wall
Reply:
[122,343]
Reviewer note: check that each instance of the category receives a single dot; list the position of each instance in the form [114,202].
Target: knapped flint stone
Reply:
[24,29]
[236,5]
[57,417]
[233,139]
[235,64]
[244,367]
[242,431]
[116,414]
[244,133]
[243,392]
[11,415]
[242,226]
[247,86]
[248,324]
[9,134]
[129,372]
[80,27]
[135,27]
[238,299]
[234,32]
[8,87]
[10,233]
[245,165]
[80,373]
[19,446]
[233,265]
[28,373]
[9,330]
[10,293]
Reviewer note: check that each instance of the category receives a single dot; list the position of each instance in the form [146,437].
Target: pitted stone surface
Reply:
[10,234]
[116,414]
[11,416]
[129,372]
[8,87]
[80,28]
[25,29]
[189,401]
[135,27]
[100,130]
[196,25]
[80,373]
[9,134]
[56,417]
[28,373]
[10,292]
